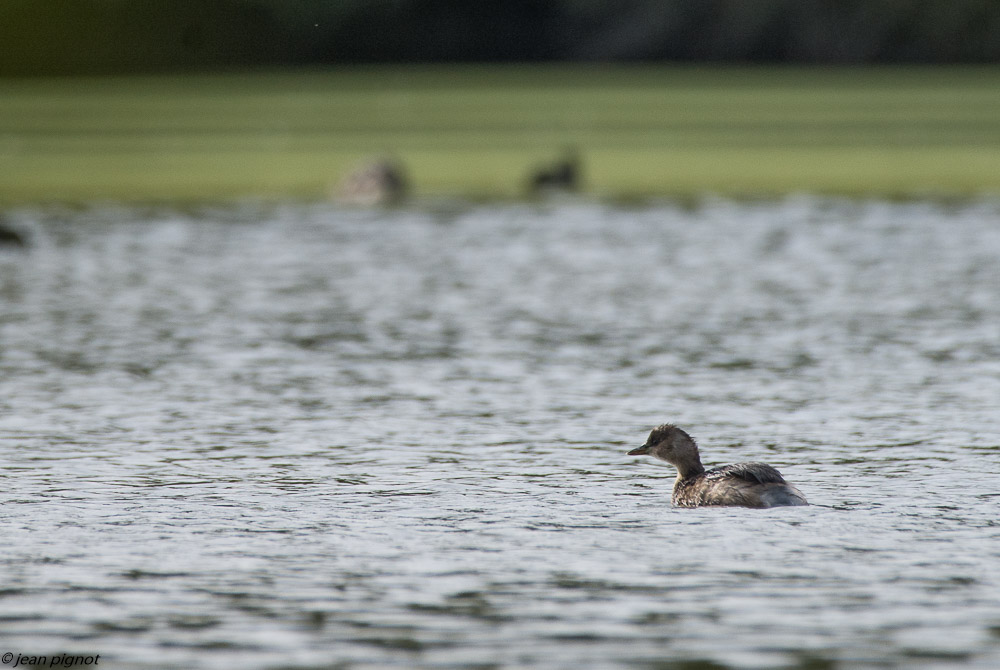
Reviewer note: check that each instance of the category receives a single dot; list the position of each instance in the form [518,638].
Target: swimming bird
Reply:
[737,485]
[377,182]
[562,175]
[10,237]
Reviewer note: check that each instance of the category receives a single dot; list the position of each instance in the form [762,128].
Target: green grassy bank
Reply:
[478,131]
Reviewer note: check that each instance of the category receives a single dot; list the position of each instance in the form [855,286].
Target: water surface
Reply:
[299,436]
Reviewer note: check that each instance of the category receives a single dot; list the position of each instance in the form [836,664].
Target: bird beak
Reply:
[639,451]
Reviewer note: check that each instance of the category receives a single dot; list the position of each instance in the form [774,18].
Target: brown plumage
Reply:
[739,485]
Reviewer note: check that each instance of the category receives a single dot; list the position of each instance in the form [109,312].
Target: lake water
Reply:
[299,436]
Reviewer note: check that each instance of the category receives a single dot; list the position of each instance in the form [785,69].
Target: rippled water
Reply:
[307,437]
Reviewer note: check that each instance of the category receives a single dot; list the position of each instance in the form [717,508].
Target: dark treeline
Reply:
[42,37]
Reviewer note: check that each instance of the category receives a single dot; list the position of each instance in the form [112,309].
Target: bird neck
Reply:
[689,469]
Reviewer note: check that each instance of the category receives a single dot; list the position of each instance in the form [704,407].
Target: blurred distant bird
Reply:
[10,237]
[377,182]
[562,175]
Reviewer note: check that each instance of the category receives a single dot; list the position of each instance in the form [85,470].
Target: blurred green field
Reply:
[478,131]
